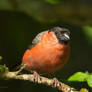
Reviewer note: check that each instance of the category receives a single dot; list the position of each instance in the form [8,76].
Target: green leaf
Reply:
[79,76]
[7,69]
[88,33]
[0,57]
[53,1]
[83,90]
[3,69]
[89,80]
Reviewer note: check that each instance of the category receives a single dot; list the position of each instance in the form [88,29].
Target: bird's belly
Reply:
[48,62]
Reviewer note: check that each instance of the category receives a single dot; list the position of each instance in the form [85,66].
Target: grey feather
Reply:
[37,39]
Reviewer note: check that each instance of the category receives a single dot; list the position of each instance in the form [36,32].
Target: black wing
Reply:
[36,40]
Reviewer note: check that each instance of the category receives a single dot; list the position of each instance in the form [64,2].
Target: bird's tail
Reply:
[16,67]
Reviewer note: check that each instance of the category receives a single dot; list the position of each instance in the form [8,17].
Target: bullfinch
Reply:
[49,52]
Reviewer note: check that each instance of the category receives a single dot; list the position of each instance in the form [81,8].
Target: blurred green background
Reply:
[22,20]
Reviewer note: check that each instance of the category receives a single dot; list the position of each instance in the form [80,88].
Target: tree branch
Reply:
[41,80]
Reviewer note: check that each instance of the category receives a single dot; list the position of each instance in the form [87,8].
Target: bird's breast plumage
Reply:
[47,56]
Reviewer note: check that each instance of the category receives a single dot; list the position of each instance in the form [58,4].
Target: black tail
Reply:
[16,67]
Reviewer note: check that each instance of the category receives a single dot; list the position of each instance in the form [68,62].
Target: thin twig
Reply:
[42,80]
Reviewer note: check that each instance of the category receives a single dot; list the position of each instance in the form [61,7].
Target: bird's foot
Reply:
[56,83]
[36,76]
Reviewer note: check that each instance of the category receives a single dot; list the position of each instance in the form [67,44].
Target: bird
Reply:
[49,52]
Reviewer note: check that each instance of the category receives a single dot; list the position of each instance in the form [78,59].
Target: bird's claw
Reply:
[36,76]
[56,83]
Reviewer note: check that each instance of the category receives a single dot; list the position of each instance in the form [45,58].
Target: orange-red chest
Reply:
[47,56]
[46,59]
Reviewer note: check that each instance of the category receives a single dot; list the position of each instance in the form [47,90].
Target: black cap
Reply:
[62,34]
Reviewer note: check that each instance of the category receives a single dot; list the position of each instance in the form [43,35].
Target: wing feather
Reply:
[36,40]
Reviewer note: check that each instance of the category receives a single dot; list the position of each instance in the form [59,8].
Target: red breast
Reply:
[48,55]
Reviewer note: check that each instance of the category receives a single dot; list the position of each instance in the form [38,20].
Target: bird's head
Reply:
[62,34]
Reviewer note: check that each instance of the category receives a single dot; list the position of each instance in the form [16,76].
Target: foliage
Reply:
[88,32]
[3,68]
[82,77]
[0,57]
[83,90]
[51,11]
[53,1]
[89,80]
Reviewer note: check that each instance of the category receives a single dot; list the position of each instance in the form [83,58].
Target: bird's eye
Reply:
[63,32]
[56,33]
